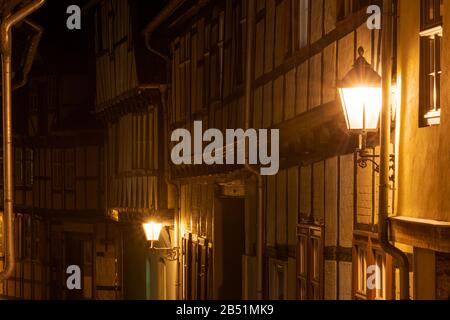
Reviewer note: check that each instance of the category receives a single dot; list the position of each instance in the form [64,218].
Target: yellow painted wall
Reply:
[424,157]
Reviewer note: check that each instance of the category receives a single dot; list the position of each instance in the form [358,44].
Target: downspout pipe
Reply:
[8,198]
[249,71]
[385,129]
[155,23]
[170,182]
[162,16]
[148,31]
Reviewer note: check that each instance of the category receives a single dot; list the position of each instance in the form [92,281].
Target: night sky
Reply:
[58,42]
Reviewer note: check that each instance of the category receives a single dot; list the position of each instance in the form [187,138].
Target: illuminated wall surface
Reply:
[124,186]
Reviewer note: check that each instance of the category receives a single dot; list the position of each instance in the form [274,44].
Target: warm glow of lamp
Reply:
[362,106]
[360,93]
[152,230]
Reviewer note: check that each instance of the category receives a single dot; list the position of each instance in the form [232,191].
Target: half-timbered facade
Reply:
[320,209]
[60,216]
[93,163]
[130,81]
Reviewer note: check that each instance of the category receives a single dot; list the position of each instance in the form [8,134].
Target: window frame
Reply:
[301,23]
[377,253]
[370,244]
[361,270]
[430,115]
[427,23]
[314,281]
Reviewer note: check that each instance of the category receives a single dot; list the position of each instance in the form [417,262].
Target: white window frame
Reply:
[433,117]
[361,285]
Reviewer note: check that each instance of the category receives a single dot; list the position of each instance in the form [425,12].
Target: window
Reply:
[301,268]
[372,268]
[143,134]
[310,263]
[431,14]
[301,23]
[204,270]
[362,270]
[430,63]
[380,263]
[315,281]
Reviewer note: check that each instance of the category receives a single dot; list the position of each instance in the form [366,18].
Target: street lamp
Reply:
[361,99]
[152,231]
[360,93]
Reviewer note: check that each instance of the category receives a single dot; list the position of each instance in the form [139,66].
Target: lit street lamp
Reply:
[360,93]
[152,230]
[361,98]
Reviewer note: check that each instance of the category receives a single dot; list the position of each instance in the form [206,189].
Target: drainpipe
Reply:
[162,16]
[148,31]
[169,182]
[8,200]
[155,23]
[249,69]
[383,227]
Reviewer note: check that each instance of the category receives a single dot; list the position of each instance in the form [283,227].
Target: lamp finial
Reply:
[361,52]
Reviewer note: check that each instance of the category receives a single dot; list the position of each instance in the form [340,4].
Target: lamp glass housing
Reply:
[361,95]
[152,230]
[361,106]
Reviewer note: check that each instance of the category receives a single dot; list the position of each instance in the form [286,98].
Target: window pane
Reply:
[380,263]
[316,261]
[303,22]
[362,270]
[431,49]
[302,256]
[438,52]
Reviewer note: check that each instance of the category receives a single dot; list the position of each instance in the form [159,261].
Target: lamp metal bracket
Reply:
[170,254]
